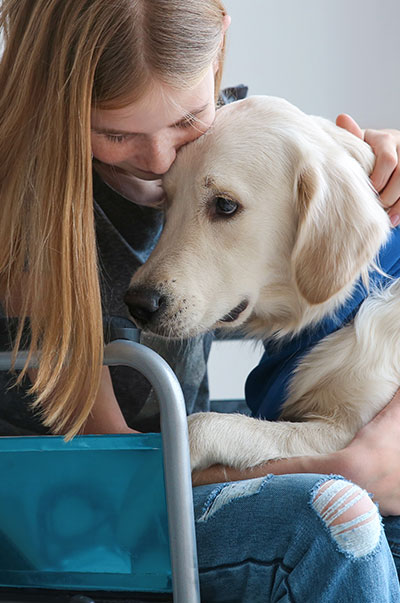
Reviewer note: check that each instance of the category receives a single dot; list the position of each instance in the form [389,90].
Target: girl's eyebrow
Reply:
[186,117]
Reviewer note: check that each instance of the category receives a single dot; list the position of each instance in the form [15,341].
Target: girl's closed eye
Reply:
[117,137]
[187,123]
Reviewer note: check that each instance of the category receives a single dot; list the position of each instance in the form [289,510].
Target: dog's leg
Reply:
[243,442]
[339,386]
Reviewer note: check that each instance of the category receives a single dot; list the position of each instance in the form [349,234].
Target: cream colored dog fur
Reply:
[274,208]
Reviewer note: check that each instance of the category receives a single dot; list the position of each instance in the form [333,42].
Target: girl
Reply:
[118,86]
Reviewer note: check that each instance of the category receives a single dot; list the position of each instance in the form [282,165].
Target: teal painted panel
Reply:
[90,513]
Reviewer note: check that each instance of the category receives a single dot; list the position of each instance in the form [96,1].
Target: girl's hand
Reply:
[372,459]
[386,174]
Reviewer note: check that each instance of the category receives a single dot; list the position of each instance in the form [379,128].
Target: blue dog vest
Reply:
[267,385]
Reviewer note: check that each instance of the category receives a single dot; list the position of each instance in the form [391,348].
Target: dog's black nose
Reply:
[144,303]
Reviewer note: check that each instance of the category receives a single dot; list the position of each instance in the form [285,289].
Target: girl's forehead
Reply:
[159,108]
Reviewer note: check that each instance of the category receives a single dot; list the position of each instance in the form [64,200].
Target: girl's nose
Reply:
[160,154]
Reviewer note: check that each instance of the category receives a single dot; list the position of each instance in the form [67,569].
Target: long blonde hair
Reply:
[61,57]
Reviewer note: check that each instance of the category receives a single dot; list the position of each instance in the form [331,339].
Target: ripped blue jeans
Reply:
[292,538]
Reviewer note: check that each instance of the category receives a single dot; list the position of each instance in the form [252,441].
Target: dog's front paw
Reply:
[227,439]
[236,440]
[201,429]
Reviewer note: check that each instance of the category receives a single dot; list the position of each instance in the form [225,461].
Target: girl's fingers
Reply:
[385,145]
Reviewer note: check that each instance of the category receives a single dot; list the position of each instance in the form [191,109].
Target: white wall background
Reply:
[327,57]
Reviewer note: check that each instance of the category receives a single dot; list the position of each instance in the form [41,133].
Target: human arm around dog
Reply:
[370,460]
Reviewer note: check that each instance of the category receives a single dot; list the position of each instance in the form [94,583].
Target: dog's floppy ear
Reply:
[341,226]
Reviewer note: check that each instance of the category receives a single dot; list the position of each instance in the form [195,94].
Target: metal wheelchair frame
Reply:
[185,580]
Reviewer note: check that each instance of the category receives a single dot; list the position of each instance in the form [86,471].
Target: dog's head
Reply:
[270,219]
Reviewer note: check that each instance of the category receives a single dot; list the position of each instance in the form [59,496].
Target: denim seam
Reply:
[275,562]
[338,548]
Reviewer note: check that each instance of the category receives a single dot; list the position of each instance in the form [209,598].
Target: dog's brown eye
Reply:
[225,206]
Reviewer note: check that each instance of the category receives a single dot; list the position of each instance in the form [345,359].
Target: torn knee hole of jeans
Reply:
[350,516]
[227,493]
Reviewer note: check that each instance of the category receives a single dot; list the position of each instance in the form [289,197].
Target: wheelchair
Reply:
[102,518]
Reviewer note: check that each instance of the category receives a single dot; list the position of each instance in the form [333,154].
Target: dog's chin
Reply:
[171,331]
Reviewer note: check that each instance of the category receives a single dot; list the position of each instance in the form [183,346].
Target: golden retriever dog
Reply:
[271,224]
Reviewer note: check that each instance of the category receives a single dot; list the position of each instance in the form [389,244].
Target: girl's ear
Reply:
[226,21]
[341,226]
